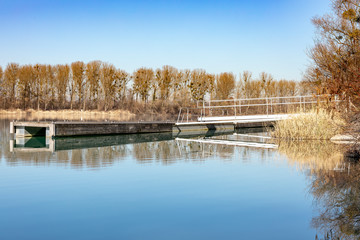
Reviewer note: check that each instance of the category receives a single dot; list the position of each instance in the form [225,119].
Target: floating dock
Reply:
[71,129]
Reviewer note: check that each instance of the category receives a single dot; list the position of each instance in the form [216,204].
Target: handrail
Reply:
[269,102]
[263,98]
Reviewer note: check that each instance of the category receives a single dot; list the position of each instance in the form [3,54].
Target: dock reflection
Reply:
[101,151]
[38,144]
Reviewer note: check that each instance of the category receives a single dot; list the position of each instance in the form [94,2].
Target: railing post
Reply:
[235,107]
[267,107]
[336,101]
[179,115]
[240,106]
[210,112]
[204,107]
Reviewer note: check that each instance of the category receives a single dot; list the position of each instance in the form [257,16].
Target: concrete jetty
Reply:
[71,129]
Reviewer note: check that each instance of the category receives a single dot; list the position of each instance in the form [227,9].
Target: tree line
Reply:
[102,86]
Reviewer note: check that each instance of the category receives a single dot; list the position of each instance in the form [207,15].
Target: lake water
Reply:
[124,187]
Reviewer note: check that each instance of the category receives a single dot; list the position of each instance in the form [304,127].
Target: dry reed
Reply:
[317,124]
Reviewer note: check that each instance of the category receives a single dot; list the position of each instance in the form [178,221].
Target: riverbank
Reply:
[68,115]
[353,129]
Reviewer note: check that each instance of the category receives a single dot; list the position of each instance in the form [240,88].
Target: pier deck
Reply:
[69,129]
[66,129]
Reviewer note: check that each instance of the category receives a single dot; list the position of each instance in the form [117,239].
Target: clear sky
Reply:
[216,35]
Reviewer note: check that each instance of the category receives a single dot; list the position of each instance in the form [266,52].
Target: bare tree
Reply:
[143,80]
[108,83]
[10,82]
[122,79]
[167,78]
[200,84]
[78,70]
[93,78]
[180,86]
[48,90]
[336,54]
[267,84]
[1,85]
[244,85]
[27,82]
[62,78]
[225,85]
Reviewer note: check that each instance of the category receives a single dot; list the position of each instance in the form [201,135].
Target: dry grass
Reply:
[313,125]
[70,115]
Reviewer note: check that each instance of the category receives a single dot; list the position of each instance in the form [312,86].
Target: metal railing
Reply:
[251,106]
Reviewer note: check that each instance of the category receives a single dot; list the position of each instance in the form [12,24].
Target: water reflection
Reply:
[102,151]
[312,155]
[337,195]
[333,181]
[164,151]
[334,185]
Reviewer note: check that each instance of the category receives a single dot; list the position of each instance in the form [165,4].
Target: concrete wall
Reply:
[78,129]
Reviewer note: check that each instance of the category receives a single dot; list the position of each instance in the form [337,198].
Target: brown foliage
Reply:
[143,81]
[267,86]
[9,83]
[200,84]
[78,77]
[27,77]
[1,78]
[165,78]
[122,79]
[62,78]
[336,54]
[108,84]
[225,85]
[102,86]
[93,78]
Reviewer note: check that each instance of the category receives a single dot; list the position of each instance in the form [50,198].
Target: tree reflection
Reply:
[165,152]
[337,194]
[335,186]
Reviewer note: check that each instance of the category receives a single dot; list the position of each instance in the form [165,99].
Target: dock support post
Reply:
[12,130]
[51,132]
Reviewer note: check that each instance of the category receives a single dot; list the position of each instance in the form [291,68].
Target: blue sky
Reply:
[216,35]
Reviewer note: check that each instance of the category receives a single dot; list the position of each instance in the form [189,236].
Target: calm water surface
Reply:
[166,189]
